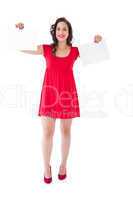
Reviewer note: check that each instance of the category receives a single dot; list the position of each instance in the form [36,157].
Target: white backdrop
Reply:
[101,157]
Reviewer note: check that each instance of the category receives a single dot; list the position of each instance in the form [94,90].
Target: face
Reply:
[62,31]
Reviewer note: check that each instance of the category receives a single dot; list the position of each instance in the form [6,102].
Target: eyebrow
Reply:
[63,27]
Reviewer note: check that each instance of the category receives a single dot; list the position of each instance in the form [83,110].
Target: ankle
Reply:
[47,171]
[47,166]
[63,165]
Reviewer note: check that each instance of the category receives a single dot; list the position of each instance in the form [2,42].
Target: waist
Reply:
[66,71]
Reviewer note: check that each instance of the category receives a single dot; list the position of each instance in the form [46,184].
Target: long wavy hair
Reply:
[53,33]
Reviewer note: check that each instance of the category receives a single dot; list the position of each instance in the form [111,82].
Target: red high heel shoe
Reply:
[48,180]
[62,176]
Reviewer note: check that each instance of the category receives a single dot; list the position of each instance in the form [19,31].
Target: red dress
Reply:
[59,98]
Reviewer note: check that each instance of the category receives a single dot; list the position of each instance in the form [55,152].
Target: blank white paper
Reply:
[93,53]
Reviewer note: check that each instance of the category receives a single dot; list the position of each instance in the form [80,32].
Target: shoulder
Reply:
[75,47]
[46,45]
[46,48]
[75,51]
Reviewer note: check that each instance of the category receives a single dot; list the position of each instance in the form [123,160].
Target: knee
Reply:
[48,133]
[65,131]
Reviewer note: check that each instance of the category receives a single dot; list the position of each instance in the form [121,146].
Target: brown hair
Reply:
[53,33]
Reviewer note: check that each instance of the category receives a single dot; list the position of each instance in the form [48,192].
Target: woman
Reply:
[59,97]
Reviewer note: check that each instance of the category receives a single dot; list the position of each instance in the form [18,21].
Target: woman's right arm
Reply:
[38,51]
[39,48]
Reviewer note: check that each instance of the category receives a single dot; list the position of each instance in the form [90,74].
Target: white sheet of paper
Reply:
[93,53]
[25,39]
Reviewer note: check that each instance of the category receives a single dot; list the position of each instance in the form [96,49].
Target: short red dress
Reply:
[59,98]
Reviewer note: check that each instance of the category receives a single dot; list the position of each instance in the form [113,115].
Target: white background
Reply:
[101,159]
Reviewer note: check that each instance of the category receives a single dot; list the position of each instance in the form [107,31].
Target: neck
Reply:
[62,45]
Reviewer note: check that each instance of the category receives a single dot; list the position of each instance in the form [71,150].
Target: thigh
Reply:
[48,123]
[65,124]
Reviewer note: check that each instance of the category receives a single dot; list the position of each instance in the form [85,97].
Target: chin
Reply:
[61,40]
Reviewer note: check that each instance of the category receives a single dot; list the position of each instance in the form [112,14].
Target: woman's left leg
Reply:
[65,127]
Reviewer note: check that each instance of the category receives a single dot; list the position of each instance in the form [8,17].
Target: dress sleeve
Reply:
[76,54]
[93,53]
[45,49]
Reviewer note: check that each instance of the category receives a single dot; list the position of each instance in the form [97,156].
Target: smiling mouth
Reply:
[61,36]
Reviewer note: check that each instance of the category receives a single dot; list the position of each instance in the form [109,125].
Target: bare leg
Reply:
[65,126]
[48,125]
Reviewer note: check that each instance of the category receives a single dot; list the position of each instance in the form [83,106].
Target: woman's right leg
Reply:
[48,125]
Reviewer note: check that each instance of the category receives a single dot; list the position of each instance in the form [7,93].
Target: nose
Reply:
[61,32]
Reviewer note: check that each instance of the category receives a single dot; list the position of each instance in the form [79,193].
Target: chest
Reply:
[62,53]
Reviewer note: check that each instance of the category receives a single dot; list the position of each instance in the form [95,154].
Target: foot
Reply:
[48,175]
[62,173]
[62,170]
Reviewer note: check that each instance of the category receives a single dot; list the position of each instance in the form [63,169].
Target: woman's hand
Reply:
[20,25]
[97,38]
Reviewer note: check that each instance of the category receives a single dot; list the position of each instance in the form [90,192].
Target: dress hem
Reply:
[43,114]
